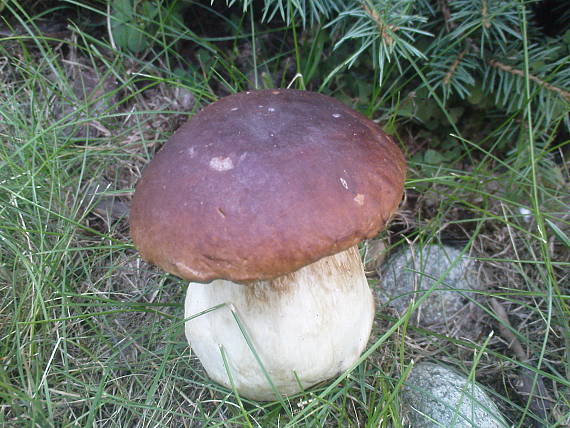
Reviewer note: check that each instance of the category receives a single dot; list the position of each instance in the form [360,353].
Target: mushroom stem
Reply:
[304,327]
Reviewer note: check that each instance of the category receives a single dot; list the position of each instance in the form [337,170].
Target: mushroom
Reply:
[260,201]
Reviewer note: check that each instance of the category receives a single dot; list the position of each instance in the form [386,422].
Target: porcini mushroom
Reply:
[264,195]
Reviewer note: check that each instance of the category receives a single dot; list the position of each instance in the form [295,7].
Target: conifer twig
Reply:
[494,63]
[453,67]
[446,13]
[485,15]
[384,28]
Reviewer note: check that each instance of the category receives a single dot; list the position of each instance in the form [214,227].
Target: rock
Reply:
[435,396]
[413,269]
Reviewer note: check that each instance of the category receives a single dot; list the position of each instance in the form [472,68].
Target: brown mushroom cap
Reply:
[262,183]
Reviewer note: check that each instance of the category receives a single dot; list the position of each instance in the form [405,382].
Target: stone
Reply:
[409,272]
[436,396]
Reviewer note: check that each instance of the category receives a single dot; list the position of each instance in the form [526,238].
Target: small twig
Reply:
[446,13]
[564,94]
[484,15]
[539,399]
[454,66]
[506,332]
[385,29]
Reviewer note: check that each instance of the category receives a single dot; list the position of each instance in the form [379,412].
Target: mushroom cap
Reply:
[261,183]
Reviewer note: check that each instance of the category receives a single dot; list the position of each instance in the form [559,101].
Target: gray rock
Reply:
[435,396]
[409,272]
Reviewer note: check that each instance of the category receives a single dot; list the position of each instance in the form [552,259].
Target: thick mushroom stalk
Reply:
[305,327]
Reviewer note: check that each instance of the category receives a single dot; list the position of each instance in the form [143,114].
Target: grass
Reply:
[92,336]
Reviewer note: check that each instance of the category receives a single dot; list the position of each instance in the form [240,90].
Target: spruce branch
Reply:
[507,68]
[385,29]
[493,23]
[454,66]
[446,13]
[308,12]
[485,20]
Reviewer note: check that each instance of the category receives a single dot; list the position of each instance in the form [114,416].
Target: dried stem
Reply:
[529,384]
[506,332]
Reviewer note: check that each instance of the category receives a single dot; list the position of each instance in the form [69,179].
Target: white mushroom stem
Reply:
[306,326]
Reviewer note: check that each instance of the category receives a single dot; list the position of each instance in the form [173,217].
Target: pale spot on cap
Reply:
[359,199]
[221,163]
